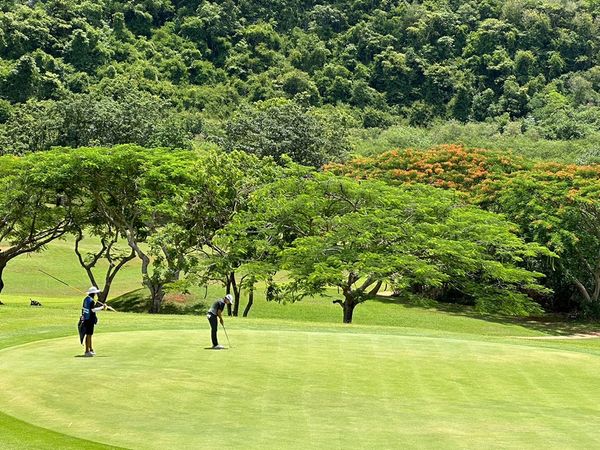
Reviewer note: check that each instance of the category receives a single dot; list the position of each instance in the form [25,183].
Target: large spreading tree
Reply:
[557,205]
[335,232]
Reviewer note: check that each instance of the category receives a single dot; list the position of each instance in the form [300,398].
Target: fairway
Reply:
[287,388]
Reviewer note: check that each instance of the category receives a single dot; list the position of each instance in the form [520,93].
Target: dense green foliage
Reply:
[169,72]
[200,216]
[558,206]
[554,204]
[285,81]
[356,236]
[163,205]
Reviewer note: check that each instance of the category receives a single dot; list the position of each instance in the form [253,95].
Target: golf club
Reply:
[225,330]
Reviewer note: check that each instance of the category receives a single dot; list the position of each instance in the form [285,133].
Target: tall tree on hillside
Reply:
[276,128]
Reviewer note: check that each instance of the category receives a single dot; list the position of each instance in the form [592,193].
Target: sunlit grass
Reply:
[425,377]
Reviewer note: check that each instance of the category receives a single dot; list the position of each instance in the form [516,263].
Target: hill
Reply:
[171,72]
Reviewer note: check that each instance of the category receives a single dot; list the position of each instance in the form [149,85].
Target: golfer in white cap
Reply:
[88,313]
[216,313]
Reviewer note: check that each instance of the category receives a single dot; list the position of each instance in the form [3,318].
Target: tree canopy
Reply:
[355,236]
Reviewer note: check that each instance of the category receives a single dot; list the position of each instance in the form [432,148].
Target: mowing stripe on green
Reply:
[294,389]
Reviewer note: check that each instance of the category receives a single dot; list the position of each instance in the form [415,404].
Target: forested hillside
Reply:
[278,76]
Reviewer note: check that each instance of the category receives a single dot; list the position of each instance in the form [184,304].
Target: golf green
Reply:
[296,389]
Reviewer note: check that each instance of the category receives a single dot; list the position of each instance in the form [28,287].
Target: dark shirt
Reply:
[217,307]
[88,304]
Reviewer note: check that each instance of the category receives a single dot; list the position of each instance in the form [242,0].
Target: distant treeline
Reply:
[168,72]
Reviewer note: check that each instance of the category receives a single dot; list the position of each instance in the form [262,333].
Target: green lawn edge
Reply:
[17,434]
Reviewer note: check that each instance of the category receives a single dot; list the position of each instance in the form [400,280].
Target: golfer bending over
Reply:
[89,311]
[216,311]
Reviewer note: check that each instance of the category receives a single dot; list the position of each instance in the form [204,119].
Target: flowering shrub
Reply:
[445,166]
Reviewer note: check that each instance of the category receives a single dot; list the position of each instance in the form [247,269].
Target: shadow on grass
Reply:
[139,302]
[552,324]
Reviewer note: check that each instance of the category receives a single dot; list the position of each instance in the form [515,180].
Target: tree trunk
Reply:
[156,290]
[157,295]
[373,292]
[104,293]
[236,299]
[250,301]
[2,266]
[230,283]
[237,291]
[582,290]
[596,293]
[112,273]
[348,305]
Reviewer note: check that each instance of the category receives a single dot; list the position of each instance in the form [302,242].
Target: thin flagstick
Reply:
[62,282]
[75,289]
[225,330]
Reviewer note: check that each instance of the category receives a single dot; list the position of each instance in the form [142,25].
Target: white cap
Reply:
[228,297]
[93,290]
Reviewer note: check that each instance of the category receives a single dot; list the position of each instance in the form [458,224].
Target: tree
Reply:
[514,98]
[356,236]
[139,194]
[459,107]
[175,202]
[525,65]
[85,51]
[22,82]
[32,126]
[445,166]
[35,203]
[297,84]
[392,74]
[556,205]
[276,128]
[232,255]
[239,258]
[115,258]
[164,199]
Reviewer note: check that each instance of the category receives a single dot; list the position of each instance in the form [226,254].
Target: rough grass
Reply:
[23,278]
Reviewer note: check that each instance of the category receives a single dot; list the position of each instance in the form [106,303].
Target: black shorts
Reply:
[88,327]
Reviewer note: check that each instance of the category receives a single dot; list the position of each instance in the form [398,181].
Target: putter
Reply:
[225,330]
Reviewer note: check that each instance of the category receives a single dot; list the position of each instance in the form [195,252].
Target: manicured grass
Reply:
[290,389]
[400,376]
[290,384]
[17,434]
